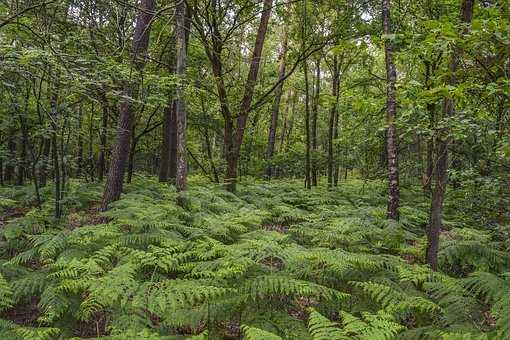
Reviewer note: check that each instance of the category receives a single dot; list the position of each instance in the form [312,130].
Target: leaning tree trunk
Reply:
[276,108]
[248,96]
[391,107]
[180,107]
[120,152]
[442,142]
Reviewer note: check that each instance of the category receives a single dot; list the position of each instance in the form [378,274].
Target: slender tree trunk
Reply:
[11,155]
[442,143]
[114,181]
[43,169]
[101,161]
[79,160]
[168,152]
[429,169]
[391,107]
[209,151]
[332,121]
[131,160]
[308,181]
[180,107]
[248,95]
[315,112]
[22,157]
[276,108]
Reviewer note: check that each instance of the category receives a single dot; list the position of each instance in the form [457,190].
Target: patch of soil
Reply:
[11,213]
[273,262]
[281,228]
[94,328]
[232,331]
[91,216]
[25,313]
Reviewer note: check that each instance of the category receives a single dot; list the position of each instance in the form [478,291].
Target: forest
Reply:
[255,169]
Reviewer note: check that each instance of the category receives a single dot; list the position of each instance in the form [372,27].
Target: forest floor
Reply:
[273,260]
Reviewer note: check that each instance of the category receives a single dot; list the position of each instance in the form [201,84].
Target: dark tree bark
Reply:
[180,107]
[333,119]
[442,142]
[276,108]
[315,112]
[391,107]
[120,152]
[168,151]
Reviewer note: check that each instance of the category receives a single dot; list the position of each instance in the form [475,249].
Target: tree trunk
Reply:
[248,94]
[114,181]
[308,182]
[11,155]
[210,156]
[442,142]
[315,112]
[332,121]
[101,161]
[131,159]
[168,152]
[180,107]
[276,108]
[43,169]
[79,160]
[391,107]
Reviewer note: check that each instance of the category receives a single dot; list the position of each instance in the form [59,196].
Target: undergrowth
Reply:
[273,261]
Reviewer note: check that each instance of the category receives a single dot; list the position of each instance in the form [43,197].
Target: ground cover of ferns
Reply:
[273,261]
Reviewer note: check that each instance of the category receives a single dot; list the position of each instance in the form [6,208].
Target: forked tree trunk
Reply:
[246,102]
[391,107]
[120,152]
[276,108]
[442,142]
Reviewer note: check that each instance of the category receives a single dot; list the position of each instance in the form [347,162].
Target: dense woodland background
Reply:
[243,168]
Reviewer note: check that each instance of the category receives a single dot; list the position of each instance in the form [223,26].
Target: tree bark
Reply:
[249,88]
[11,155]
[114,181]
[335,91]
[443,141]
[315,112]
[180,107]
[276,108]
[79,160]
[101,161]
[168,152]
[391,107]
[308,182]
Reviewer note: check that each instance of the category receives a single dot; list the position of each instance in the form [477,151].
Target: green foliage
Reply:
[261,263]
